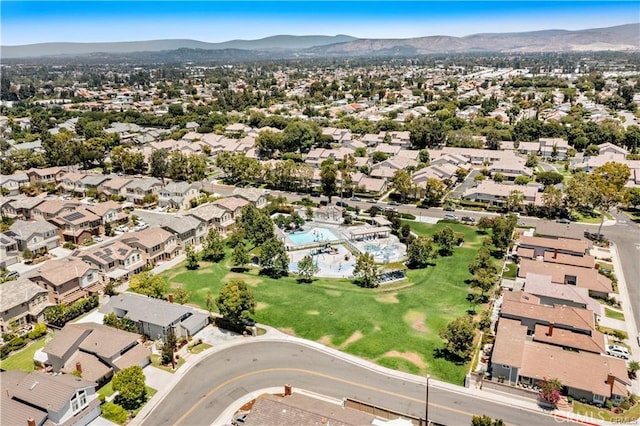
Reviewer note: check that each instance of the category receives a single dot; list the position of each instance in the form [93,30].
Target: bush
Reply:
[114,412]
[407,216]
[39,330]
[17,343]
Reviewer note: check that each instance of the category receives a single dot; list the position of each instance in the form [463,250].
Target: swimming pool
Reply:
[384,253]
[314,235]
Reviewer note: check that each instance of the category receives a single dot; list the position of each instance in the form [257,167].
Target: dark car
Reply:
[468,219]
[249,322]
[342,204]
[239,419]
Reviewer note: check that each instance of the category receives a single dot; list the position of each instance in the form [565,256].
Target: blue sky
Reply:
[25,22]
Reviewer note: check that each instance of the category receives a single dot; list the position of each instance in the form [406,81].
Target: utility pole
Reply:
[426,406]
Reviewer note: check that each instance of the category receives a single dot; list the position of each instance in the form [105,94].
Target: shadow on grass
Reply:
[443,353]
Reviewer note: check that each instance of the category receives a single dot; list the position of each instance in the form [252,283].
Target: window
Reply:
[79,401]
[598,398]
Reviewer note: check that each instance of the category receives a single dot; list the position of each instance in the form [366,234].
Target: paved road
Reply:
[217,381]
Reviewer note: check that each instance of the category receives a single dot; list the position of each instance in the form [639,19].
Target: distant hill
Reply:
[285,42]
[618,38]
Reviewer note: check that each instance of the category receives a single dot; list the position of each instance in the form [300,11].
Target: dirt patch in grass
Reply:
[249,280]
[325,340]
[412,357]
[333,293]
[353,338]
[203,271]
[261,305]
[289,331]
[387,298]
[416,320]
[313,313]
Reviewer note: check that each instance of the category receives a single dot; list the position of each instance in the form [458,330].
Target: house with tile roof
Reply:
[22,302]
[67,280]
[38,236]
[42,399]
[77,226]
[156,244]
[213,217]
[115,261]
[11,184]
[177,195]
[95,351]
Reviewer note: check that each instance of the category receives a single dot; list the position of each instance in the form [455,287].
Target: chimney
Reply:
[550,330]
[610,381]
[31,422]
[79,367]
[170,297]
[287,390]
[555,253]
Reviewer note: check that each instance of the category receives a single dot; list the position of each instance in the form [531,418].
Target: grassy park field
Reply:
[395,325]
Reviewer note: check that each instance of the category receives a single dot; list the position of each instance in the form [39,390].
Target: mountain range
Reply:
[618,38]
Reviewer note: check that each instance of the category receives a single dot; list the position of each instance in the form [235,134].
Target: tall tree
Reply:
[192,258]
[149,284]
[402,183]
[420,252]
[459,335]
[446,239]
[130,385]
[213,247]
[433,192]
[240,257]
[159,164]
[514,200]
[366,271]
[328,179]
[307,268]
[607,183]
[273,258]
[235,302]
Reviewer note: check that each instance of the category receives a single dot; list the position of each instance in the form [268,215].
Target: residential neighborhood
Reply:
[467,224]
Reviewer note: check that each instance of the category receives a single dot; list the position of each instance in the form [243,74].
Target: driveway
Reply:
[467,183]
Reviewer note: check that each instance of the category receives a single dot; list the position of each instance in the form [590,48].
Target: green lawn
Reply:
[23,359]
[115,413]
[155,361]
[196,349]
[630,416]
[511,271]
[106,390]
[610,313]
[593,219]
[396,325]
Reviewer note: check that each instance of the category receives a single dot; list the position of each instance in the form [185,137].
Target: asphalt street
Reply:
[217,381]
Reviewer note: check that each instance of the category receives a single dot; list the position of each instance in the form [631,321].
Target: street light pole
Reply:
[426,406]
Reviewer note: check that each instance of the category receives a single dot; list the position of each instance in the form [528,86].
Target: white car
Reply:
[619,351]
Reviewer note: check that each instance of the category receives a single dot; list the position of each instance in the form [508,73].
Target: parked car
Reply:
[342,204]
[11,275]
[239,419]
[141,226]
[394,203]
[448,209]
[450,216]
[467,219]
[564,221]
[619,351]
[97,238]
[372,200]
[355,199]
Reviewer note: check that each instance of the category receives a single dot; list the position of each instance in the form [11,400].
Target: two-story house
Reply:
[109,212]
[255,196]
[68,280]
[20,207]
[71,183]
[11,184]
[22,302]
[9,253]
[52,208]
[43,176]
[156,244]
[143,191]
[77,226]
[232,204]
[37,399]
[177,195]
[115,261]
[116,187]
[214,217]
[37,236]
[554,148]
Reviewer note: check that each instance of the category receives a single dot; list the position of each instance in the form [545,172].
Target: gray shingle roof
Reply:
[146,309]
[13,293]
[53,392]
[24,230]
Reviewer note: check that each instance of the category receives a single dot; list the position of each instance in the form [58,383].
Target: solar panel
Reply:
[73,216]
